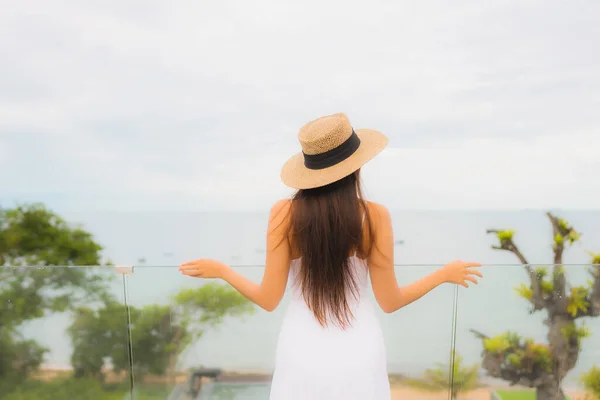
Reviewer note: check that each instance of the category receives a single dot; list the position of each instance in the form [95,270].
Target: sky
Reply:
[195,105]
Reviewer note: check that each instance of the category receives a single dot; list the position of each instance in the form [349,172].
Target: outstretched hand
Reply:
[461,272]
[203,268]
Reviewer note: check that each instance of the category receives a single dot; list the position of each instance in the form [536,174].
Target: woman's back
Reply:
[316,362]
[327,243]
[330,345]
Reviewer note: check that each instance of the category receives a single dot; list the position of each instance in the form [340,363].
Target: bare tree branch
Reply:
[594,297]
[537,298]
[508,245]
[479,334]
[558,276]
[556,230]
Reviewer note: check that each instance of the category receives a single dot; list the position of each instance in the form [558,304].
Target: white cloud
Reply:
[196,104]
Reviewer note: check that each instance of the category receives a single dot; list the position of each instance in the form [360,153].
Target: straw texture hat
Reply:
[331,150]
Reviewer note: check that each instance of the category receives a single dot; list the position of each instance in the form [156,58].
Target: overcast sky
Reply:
[195,105]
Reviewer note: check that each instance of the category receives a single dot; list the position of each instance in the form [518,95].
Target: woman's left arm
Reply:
[269,292]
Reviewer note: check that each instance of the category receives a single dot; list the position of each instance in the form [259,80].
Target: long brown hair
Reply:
[326,228]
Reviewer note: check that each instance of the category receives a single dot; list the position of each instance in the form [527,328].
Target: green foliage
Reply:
[524,291]
[541,272]
[19,357]
[96,335]
[573,236]
[578,300]
[80,389]
[517,394]
[205,307]
[159,333]
[519,353]
[546,285]
[563,225]
[65,389]
[210,303]
[595,258]
[591,381]
[505,235]
[32,235]
[32,240]
[558,239]
[574,332]
[466,378]
[501,343]
[594,270]
[101,334]
[567,232]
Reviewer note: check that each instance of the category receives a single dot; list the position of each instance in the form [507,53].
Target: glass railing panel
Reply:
[186,332]
[514,343]
[63,334]
[194,337]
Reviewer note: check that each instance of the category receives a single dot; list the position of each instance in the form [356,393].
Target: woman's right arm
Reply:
[390,296]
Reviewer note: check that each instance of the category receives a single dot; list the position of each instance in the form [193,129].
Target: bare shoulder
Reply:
[378,212]
[280,213]
[382,235]
[281,207]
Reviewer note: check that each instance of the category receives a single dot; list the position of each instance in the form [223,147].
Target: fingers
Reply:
[471,279]
[189,268]
[472,264]
[191,273]
[464,284]
[191,263]
[192,268]
[188,264]
[473,272]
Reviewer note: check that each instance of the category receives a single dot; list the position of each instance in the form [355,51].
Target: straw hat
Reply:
[331,150]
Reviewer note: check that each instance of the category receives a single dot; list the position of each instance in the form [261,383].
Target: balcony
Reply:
[146,332]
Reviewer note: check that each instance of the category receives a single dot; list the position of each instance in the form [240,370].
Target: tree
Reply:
[159,333]
[18,358]
[591,382]
[544,366]
[203,308]
[97,334]
[33,238]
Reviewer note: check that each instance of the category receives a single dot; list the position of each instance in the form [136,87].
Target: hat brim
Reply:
[295,174]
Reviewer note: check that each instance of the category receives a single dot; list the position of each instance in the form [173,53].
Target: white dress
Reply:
[314,363]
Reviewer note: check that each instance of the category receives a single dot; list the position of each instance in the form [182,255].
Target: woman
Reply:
[328,240]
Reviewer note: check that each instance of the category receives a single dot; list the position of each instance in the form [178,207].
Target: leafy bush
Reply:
[591,382]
